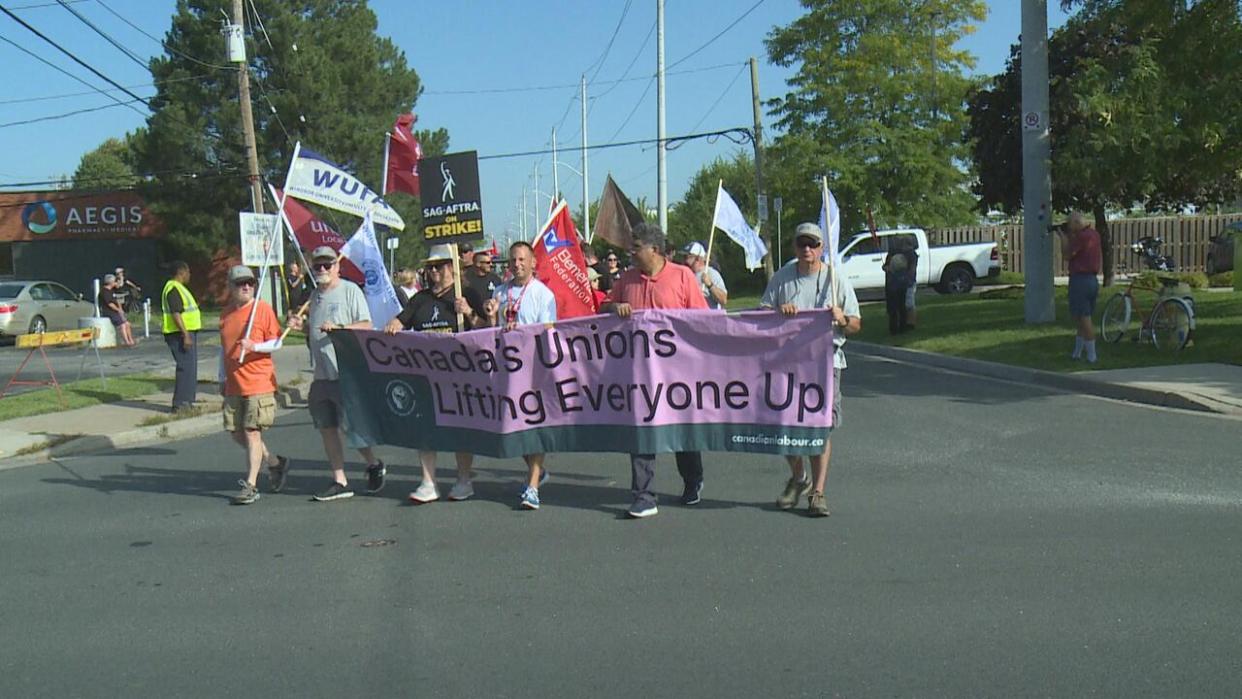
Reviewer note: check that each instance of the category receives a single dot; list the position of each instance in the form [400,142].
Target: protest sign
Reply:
[452,205]
[664,380]
[259,232]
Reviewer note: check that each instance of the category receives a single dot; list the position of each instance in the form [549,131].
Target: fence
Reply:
[1186,239]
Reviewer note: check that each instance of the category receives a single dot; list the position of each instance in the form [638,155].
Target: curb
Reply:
[287,398]
[1069,383]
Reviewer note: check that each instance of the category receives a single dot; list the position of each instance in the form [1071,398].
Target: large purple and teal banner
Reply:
[660,381]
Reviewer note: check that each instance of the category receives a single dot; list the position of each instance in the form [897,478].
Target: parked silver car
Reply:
[39,306]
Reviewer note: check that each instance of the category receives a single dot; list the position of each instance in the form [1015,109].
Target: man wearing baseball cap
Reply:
[711,283]
[249,386]
[334,305]
[802,285]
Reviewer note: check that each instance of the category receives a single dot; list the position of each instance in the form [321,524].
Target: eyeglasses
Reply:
[323,265]
[485,263]
[437,266]
[244,282]
[808,243]
[613,259]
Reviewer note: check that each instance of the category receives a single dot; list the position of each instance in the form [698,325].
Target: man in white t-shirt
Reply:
[711,283]
[523,300]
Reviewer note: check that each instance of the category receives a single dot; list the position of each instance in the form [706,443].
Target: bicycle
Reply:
[1171,321]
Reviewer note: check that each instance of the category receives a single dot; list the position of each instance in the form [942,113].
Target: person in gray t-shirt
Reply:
[335,304]
[711,283]
[804,284]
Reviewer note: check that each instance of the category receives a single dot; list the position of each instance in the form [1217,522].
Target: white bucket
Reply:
[107,333]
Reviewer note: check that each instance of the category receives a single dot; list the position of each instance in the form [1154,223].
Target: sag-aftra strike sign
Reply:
[661,381]
[452,205]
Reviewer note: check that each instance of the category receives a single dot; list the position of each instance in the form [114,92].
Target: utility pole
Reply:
[1036,181]
[247,113]
[535,196]
[754,101]
[661,167]
[586,199]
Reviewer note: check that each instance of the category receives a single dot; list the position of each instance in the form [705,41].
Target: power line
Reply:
[48,63]
[712,40]
[190,174]
[170,49]
[737,135]
[542,88]
[630,67]
[128,53]
[75,112]
[718,99]
[41,4]
[604,57]
[44,98]
[634,110]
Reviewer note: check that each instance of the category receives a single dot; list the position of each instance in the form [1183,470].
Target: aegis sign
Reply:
[69,215]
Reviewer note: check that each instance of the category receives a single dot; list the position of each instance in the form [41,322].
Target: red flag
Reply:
[494,250]
[559,263]
[404,152]
[311,232]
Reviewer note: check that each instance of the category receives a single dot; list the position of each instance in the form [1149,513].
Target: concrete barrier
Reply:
[107,333]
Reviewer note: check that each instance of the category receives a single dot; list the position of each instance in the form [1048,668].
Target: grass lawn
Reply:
[993,330]
[80,394]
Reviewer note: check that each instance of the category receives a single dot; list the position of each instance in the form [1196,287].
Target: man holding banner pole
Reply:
[653,282]
[523,301]
[334,305]
[807,284]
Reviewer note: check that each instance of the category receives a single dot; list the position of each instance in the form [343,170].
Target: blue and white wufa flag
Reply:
[314,178]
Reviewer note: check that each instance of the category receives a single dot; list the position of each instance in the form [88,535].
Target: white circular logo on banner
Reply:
[400,397]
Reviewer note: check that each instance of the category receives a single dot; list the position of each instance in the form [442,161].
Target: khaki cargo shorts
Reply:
[249,412]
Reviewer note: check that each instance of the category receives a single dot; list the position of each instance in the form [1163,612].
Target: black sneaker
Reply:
[335,491]
[692,495]
[375,478]
[277,474]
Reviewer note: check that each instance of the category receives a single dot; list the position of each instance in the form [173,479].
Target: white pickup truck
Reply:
[951,269]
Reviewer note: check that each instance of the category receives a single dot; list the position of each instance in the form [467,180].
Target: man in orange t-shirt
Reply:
[249,386]
[654,282]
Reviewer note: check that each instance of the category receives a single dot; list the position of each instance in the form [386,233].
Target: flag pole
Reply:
[457,285]
[711,237]
[384,193]
[832,253]
[293,238]
[267,255]
[555,210]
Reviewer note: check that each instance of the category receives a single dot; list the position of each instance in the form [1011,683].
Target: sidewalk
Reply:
[100,428]
[1213,388]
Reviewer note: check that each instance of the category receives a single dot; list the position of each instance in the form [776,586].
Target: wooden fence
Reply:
[1185,238]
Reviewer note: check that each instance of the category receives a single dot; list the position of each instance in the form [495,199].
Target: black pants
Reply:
[895,302]
[186,388]
[642,472]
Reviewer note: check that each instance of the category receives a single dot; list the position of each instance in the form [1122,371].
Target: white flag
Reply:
[729,219]
[830,224]
[363,250]
[313,177]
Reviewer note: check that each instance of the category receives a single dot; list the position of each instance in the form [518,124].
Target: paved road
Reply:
[986,539]
[150,356]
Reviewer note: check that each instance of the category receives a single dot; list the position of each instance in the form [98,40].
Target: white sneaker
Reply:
[426,492]
[462,490]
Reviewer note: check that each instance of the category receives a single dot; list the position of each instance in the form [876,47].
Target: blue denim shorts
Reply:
[1083,290]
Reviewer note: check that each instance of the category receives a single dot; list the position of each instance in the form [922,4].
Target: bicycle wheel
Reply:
[1115,322]
[1170,324]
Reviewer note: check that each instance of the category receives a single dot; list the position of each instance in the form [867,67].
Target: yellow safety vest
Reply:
[190,315]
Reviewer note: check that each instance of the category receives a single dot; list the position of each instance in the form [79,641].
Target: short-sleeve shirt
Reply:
[808,291]
[107,296]
[717,280]
[485,285]
[343,304]
[1085,256]
[534,303]
[256,375]
[429,313]
[674,286]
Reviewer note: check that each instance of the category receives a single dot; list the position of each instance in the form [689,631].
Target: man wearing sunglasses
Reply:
[249,387]
[805,284]
[434,310]
[481,276]
[334,305]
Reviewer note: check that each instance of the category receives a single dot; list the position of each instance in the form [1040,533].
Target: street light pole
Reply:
[586,199]
[661,166]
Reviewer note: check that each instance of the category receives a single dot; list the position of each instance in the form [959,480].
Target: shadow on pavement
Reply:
[870,376]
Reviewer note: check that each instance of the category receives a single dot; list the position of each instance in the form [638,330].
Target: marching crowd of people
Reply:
[430,304]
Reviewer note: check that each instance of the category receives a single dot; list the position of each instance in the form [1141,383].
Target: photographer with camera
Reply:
[1081,248]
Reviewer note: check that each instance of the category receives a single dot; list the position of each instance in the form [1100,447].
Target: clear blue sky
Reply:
[469,46]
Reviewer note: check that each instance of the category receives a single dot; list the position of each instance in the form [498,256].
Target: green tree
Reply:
[871,110]
[107,167]
[325,79]
[1143,110]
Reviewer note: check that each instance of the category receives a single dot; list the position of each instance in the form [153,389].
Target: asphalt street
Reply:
[987,539]
[70,363]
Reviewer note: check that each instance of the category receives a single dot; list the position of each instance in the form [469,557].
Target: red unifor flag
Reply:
[404,152]
[312,232]
[559,263]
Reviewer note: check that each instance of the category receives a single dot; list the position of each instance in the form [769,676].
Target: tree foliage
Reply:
[325,79]
[109,166]
[870,109]
[1143,109]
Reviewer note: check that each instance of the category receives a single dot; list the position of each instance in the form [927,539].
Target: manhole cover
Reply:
[378,542]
